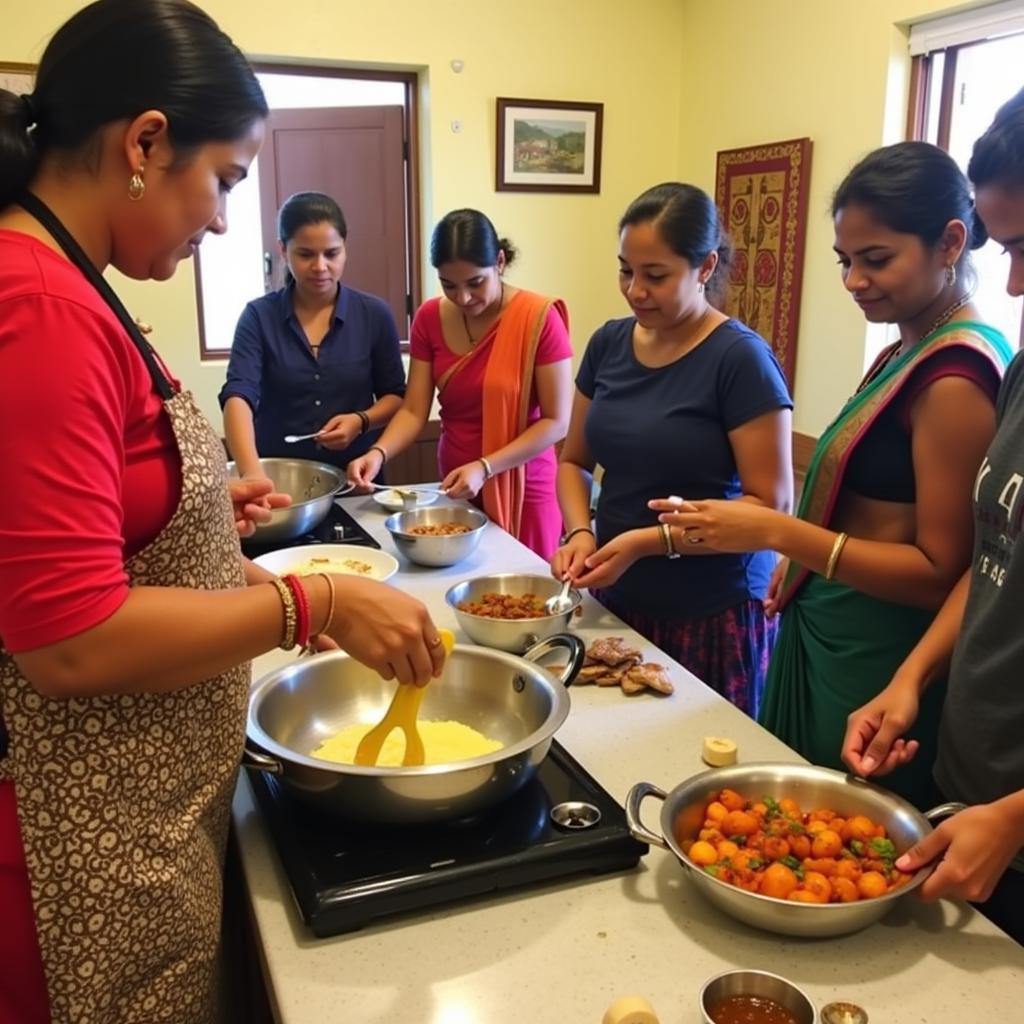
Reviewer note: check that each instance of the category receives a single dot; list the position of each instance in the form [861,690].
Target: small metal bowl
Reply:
[756,983]
[436,550]
[514,635]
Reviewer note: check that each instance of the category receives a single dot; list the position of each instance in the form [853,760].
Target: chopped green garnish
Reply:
[796,828]
[755,864]
[774,810]
[740,840]
[884,848]
[791,862]
[857,846]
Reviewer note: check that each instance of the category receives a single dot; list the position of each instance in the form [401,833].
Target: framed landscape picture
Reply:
[15,77]
[548,146]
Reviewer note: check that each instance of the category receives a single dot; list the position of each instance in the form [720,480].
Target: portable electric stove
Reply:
[344,876]
[337,528]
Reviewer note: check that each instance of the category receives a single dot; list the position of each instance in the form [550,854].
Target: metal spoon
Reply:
[292,438]
[561,602]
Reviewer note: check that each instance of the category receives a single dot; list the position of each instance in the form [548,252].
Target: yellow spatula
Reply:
[401,714]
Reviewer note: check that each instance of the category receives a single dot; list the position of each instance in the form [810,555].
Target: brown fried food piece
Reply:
[613,651]
[652,675]
[591,673]
[631,685]
[611,677]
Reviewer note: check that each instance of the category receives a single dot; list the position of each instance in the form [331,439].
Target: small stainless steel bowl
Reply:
[312,487]
[431,549]
[514,635]
[756,983]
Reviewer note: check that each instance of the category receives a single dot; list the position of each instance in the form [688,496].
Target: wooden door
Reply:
[357,156]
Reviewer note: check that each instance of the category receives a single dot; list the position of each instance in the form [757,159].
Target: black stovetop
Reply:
[344,875]
[337,528]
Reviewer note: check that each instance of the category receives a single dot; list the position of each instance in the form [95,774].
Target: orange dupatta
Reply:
[508,381]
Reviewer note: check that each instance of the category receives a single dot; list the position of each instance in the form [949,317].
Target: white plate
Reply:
[341,558]
[393,503]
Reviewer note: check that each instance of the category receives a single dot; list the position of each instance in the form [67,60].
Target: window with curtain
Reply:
[965,66]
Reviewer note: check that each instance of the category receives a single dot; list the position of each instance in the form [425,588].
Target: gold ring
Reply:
[695,540]
[435,641]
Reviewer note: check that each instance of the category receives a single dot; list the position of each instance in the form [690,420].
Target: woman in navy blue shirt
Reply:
[314,356]
[676,399]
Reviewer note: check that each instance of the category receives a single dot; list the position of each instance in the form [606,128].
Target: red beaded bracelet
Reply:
[301,609]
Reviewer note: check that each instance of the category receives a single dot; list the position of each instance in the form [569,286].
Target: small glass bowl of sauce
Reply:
[754,997]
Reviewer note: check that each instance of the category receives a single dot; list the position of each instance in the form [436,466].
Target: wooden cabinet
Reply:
[418,463]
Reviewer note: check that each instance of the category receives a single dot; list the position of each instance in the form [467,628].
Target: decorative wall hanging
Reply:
[547,146]
[761,192]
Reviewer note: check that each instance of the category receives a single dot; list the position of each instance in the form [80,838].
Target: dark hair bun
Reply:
[979,234]
[510,251]
[18,154]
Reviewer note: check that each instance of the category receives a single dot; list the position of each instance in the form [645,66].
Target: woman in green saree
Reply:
[884,527]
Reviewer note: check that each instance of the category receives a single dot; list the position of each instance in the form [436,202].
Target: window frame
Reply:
[922,83]
[410,81]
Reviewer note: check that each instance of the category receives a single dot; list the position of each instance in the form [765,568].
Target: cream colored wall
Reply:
[580,50]
[680,80]
[838,73]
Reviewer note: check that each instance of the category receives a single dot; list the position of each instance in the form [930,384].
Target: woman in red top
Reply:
[499,358]
[127,614]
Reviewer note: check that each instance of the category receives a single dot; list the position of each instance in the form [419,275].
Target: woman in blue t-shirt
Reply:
[676,399]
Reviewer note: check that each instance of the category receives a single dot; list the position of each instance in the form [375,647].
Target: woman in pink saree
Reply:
[499,359]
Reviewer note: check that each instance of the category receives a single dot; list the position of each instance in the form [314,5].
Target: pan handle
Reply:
[257,762]
[945,810]
[637,829]
[572,645]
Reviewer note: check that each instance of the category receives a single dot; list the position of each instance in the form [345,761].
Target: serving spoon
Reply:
[401,714]
[561,602]
[292,438]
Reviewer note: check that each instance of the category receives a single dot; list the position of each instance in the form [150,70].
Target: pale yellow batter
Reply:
[443,743]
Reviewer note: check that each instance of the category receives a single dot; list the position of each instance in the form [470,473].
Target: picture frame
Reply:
[16,77]
[548,146]
[762,195]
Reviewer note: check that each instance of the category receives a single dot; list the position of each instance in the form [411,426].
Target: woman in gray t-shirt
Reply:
[977,634]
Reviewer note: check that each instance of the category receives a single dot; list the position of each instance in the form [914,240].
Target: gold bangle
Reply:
[833,559]
[488,472]
[291,616]
[330,604]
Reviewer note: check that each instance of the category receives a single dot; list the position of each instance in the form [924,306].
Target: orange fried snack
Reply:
[775,848]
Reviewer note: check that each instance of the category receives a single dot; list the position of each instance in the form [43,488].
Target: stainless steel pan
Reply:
[509,698]
[312,487]
[682,815]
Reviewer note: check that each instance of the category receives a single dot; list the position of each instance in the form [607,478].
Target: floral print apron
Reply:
[123,801]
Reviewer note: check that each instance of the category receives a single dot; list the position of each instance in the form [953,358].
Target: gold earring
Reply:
[136,186]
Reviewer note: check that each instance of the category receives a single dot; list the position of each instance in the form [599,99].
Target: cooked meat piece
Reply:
[613,651]
[631,685]
[611,677]
[590,673]
[653,676]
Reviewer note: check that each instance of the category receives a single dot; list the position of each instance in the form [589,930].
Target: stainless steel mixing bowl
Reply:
[512,699]
[510,634]
[682,815]
[436,550]
[312,487]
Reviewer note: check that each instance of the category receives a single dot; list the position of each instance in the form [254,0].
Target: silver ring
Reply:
[695,540]
[435,641]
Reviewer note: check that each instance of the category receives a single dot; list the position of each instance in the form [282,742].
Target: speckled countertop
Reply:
[563,952]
